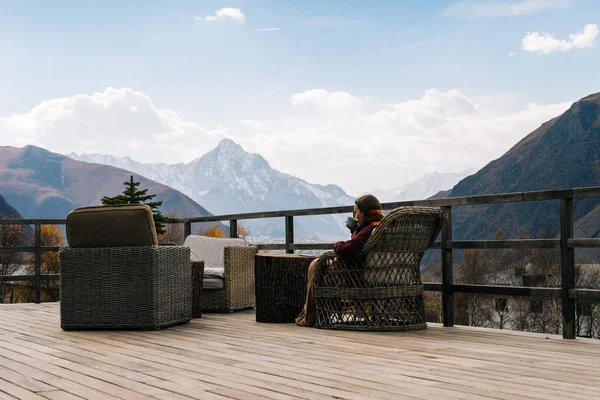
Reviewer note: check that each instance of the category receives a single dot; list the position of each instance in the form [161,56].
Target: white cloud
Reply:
[116,121]
[224,13]
[440,131]
[546,43]
[252,124]
[512,54]
[472,9]
[328,101]
[267,30]
[359,150]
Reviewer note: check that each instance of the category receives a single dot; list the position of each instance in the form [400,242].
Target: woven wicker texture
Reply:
[280,286]
[238,289]
[381,289]
[197,281]
[141,287]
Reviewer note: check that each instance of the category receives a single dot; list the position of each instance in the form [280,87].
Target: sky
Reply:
[365,95]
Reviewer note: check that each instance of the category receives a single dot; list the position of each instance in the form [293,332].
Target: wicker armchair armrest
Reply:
[324,262]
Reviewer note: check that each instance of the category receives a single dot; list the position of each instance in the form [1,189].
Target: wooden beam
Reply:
[289,234]
[29,278]
[585,294]
[583,243]
[567,267]
[38,263]
[504,244]
[447,273]
[593,191]
[29,249]
[233,228]
[187,228]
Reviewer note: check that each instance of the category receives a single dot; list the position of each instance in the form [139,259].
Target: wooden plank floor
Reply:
[230,356]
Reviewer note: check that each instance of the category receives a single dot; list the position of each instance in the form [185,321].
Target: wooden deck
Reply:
[230,356]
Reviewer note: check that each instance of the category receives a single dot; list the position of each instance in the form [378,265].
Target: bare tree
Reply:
[587,276]
[433,301]
[173,231]
[243,232]
[10,236]
[472,309]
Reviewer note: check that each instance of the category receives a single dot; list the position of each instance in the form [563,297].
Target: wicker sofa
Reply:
[381,289]
[228,282]
[114,275]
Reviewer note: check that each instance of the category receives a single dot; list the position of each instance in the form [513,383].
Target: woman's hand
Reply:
[352,224]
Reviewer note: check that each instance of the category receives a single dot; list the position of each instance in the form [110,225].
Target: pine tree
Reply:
[133,195]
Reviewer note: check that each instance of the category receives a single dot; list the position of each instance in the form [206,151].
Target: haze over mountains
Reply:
[424,187]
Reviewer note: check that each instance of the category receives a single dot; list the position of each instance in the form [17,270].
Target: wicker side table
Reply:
[197,282]
[280,285]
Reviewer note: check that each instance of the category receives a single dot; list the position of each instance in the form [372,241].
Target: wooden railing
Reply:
[37,249]
[566,244]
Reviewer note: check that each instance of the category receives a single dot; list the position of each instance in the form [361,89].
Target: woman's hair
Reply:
[367,202]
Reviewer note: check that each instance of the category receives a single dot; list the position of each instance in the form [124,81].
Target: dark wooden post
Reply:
[187,228]
[567,268]
[38,262]
[289,233]
[233,230]
[447,279]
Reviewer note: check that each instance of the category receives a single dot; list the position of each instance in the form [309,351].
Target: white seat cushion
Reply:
[214,272]
[211,251]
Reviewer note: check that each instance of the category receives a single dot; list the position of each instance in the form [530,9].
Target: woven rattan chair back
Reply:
[381,289]
[393,254]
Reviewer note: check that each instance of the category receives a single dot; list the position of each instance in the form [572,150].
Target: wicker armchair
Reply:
[115,276]
[228,283]
[381,289]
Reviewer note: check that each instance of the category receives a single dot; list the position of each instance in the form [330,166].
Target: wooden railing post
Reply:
[447,278]
[289,234]
[567,268]
[38,262]
[187,229]
[233,228]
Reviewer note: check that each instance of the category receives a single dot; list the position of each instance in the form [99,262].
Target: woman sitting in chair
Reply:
[367,210]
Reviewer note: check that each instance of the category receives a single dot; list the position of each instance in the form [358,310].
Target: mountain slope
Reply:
[42,184]
[562,153]
[229,180]
[7,211]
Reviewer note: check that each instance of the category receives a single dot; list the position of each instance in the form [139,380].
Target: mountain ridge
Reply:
[229,180]
[8,211]
[42,184]
[562,153]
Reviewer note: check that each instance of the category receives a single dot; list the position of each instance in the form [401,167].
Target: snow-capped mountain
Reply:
[229,180]
[424,187]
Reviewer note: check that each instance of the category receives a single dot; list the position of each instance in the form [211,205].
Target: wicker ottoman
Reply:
[280,284]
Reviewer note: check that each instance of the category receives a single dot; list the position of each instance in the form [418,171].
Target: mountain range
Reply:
[562,153]
[42,184]
[229,180]
[423,188]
